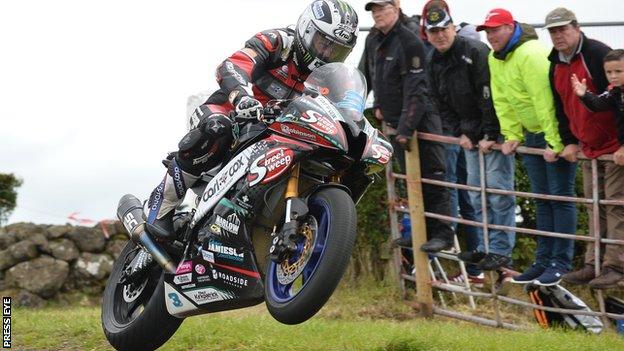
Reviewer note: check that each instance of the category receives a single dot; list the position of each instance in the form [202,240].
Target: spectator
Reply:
[456,162]
[592,132]
[467,30]
[613,264]
[393,66]
[411,22]
[430,5]
[524,105]
[459,79]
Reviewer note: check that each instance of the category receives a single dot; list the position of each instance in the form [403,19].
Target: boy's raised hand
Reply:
[580,88]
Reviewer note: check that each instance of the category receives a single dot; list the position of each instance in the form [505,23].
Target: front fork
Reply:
[284,243]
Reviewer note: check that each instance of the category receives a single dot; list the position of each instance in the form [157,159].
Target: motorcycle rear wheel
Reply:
[335,220]
[134,316]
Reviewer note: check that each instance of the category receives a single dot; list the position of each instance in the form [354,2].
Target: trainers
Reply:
[551,276]
[505,277]
[529,275]
[405,242]
[492,262]
[474,280]
[436,245]
[609,278]
[582,276]
[473,257]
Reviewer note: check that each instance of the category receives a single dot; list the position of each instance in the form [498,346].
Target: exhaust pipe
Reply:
[130,213]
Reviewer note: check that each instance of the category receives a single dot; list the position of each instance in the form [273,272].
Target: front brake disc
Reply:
[288,271]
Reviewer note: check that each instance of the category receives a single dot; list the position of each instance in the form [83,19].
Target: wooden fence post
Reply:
[424,294]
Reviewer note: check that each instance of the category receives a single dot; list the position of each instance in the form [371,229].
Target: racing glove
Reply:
[248,107]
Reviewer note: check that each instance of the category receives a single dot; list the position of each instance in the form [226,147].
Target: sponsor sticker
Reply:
[232,280]
[200,269]
[244,202]
[188,286]
[317,10]
[207,295]
[226,252]
[320,122]
[203,278]
[185,267]
[182,278]
[381,153]
[270,165]
[215,229]
[343,34]
[208,256]
[297,131]
[221,183]
[230,224]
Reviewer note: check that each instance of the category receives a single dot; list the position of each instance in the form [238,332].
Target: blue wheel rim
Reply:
[283,293]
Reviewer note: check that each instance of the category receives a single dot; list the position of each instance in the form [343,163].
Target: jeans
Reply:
[460,200]
[555,178]
[499,174]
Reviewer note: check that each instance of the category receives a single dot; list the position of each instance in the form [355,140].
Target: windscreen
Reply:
[345,87]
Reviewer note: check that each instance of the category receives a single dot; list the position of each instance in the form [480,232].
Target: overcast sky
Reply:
[93,93]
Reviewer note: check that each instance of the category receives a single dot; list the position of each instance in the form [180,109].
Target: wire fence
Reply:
[424,284]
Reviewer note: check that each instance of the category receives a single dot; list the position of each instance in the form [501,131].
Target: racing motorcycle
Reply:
[276,222]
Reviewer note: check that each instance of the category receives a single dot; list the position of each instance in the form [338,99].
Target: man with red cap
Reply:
[524,105]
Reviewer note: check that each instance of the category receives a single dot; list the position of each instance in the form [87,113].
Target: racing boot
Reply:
[164,199]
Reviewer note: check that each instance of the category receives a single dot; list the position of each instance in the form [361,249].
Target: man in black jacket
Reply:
[393,63]
[458,76]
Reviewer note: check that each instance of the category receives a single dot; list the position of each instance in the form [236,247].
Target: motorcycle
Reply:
[275,223]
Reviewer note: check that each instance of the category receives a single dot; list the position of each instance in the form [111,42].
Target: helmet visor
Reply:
[323,47]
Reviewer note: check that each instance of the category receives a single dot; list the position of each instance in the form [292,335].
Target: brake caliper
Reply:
[284,243]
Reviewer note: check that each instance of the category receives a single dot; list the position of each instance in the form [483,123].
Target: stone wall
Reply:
[39,262]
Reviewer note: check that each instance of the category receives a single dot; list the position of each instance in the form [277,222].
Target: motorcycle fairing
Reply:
[223,274]
[313,120]
[377,153]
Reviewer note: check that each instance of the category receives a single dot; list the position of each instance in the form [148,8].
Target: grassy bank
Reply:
[371,319]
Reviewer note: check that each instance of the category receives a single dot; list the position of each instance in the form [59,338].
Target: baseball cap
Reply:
[370,4]
[559,17]
[437,18]
[496,18]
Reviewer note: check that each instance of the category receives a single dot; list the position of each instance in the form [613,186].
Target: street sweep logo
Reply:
[6,322]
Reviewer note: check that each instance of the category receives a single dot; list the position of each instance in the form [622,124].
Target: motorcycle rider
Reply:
[272,65]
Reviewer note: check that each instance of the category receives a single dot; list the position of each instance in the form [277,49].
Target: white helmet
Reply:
[326,32]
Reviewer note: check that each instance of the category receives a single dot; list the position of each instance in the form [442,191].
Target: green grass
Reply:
[371,319]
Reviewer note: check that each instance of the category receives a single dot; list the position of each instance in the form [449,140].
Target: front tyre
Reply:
[298,287]
[134,315]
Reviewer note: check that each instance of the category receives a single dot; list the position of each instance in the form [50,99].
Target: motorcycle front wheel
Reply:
[134,315]
[296,289]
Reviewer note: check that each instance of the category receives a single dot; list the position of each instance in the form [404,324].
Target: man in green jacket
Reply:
[525,108]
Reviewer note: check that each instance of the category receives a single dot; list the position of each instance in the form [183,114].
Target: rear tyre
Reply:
[134,316]
[323,254]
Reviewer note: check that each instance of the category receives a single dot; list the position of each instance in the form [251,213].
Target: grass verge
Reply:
[363,318]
